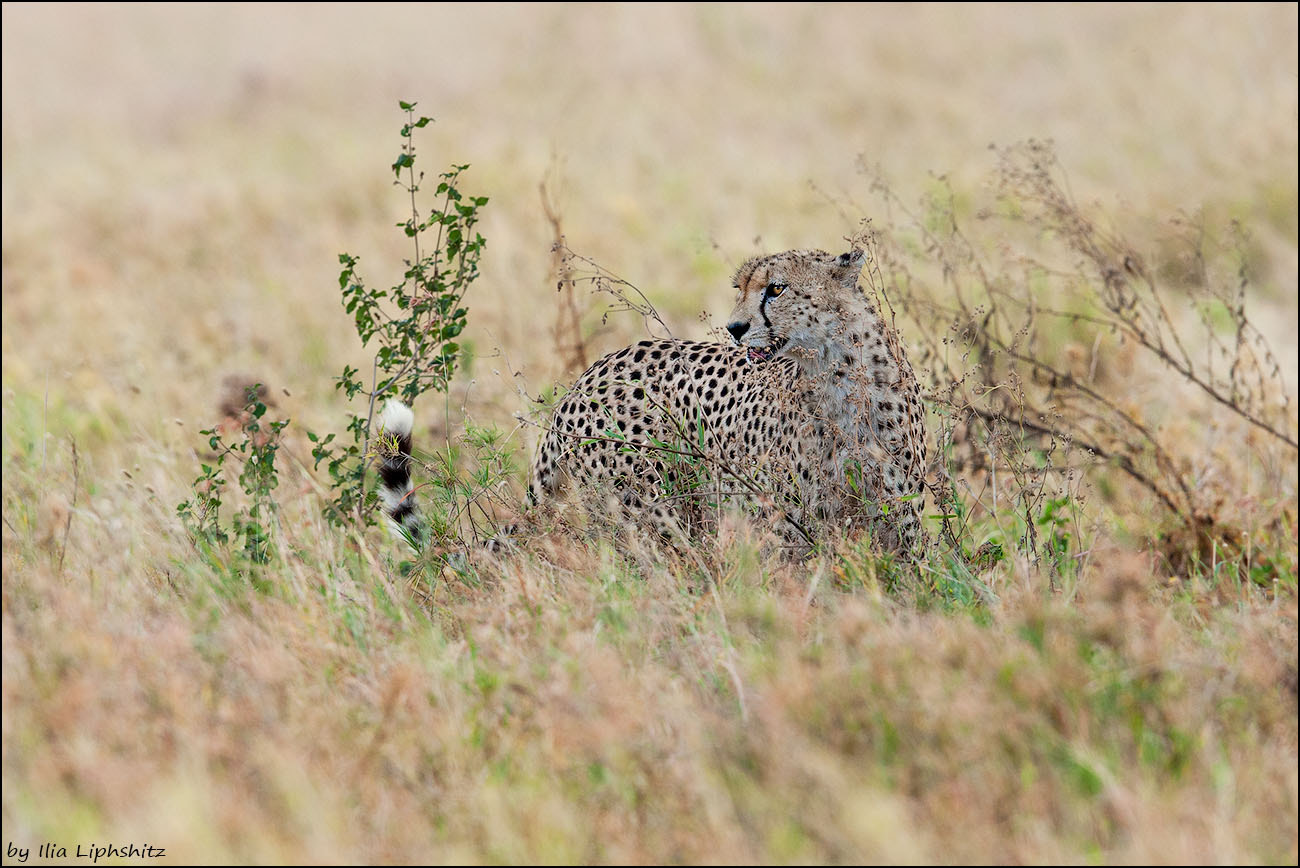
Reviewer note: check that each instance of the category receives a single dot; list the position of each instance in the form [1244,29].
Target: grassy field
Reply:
[1118,686]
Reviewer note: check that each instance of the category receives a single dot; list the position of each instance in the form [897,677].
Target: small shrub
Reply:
[416,323]
[254,450]
[1029,319]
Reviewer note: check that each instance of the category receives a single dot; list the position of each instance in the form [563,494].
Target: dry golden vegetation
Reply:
[1098,661]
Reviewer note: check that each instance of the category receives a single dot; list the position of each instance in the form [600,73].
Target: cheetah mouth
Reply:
[764,354]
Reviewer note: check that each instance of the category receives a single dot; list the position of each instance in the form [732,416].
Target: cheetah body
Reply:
[814,408]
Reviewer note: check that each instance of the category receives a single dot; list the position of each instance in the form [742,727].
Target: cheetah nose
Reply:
[738,330]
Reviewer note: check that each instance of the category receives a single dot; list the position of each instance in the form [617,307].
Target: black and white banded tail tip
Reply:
[396,491]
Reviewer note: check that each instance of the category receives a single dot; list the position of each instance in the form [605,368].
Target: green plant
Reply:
[463,482]
[254,449]
[415,323]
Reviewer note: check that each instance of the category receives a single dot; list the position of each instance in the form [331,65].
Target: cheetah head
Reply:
[786,301]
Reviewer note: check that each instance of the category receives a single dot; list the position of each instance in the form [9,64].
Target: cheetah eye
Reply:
[775,289]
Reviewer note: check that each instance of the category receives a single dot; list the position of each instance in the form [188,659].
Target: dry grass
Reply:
[177,184]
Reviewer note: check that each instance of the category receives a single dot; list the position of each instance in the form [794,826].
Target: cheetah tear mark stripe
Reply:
[762,354]
[395,487]
[762,310]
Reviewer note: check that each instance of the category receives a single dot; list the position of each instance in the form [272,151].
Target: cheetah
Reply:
[812,409]
[395,485]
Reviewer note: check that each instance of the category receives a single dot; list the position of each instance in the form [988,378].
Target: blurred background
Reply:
[179,180]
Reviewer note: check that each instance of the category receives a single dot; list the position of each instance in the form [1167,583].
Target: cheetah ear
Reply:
[849,265]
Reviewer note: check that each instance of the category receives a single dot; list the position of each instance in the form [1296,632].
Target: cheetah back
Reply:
[636,414]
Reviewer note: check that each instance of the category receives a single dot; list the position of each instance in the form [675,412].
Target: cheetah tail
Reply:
[395,486]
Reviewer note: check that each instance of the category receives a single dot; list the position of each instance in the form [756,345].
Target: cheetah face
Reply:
[782,300]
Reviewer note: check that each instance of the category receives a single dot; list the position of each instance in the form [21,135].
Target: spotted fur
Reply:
[813,409]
